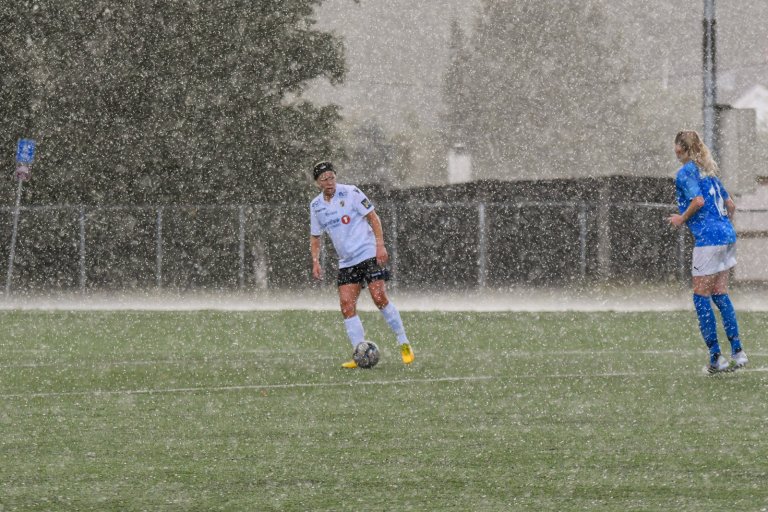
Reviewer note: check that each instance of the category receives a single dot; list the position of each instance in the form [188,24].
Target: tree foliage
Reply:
[539,89]
[457,89]
[166,101]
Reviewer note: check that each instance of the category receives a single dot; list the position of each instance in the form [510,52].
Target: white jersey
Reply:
[343,218]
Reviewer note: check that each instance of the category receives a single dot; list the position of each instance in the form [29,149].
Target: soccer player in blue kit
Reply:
[706,208]
[348,217]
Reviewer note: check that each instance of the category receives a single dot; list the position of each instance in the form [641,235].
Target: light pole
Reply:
[710,77]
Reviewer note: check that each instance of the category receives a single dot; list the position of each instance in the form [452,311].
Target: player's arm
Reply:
[382,257]
[687,182]
[679,219]
[730,207]
[314,249]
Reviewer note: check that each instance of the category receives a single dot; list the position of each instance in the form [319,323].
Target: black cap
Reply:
[321,167]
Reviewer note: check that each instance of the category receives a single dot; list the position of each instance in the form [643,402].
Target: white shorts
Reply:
[712,259]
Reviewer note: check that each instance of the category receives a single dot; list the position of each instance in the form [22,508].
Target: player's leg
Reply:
[376,277]
[378,289]
[728,313]
[348,294]
[702,291]
[704,270]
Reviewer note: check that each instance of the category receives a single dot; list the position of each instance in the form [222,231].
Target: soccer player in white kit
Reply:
[348,217]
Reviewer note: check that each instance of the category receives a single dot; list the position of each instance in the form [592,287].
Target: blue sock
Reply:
[727,311]
[355,331]
[707,325]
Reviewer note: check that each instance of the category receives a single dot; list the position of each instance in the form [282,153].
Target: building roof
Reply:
[756,97]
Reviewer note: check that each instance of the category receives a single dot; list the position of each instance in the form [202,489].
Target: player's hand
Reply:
[317,270]
[676,220]
[382,256]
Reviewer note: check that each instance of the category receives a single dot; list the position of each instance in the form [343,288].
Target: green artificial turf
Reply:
[129,411]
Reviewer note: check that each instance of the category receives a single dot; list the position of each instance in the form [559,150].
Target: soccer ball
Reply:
[366,354]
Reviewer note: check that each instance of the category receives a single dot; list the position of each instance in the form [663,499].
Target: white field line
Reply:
[210,389]
[244,388]
[156,362]
[322,355]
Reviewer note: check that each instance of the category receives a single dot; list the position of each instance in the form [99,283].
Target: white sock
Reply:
[392,316]
[355,331]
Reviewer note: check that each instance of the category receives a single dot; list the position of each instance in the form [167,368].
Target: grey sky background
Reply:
[397,50]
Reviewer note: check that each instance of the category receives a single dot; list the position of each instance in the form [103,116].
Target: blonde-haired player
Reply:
[706,208]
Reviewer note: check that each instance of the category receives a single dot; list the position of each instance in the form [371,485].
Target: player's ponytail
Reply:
[697,151]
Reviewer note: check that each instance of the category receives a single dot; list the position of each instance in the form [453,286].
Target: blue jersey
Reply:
[710,225]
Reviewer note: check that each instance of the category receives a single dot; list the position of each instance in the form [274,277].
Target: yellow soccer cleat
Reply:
[349,364]
[407,352]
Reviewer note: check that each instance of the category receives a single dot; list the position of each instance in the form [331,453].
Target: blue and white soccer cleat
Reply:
[720,365]
[739,360]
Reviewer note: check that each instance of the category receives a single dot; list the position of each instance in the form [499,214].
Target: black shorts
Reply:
[362,273]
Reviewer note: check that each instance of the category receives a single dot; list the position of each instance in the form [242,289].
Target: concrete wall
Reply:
[737,141]
[751,222]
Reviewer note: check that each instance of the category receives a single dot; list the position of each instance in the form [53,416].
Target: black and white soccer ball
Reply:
[366,354]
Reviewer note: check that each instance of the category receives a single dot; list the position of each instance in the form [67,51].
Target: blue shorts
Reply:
[363,273]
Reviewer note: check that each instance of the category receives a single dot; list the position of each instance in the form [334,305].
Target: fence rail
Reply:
[463,244]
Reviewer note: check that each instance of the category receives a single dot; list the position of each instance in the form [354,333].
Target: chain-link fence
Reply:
[431,245]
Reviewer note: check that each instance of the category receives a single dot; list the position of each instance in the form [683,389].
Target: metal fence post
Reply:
[81,218]
[605,257]
[481,250]
[12,252]
[518,217]
[241,247]
[583,239]
[393,259]
[159,248]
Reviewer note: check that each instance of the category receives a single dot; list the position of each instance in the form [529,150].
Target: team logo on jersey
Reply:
[366,203]
[345,219]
